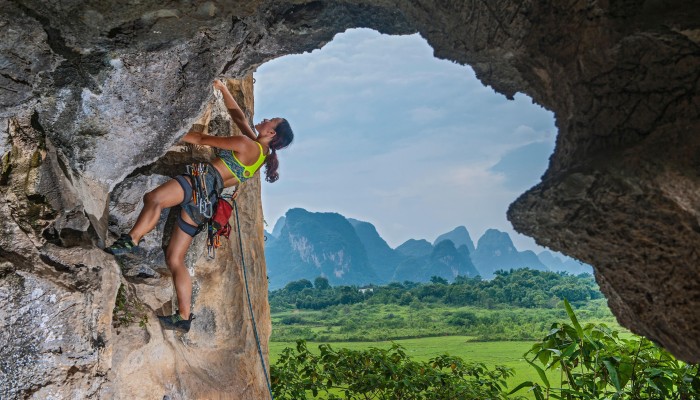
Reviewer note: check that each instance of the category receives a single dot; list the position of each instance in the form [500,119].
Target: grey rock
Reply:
[25,57]
[5,144]
[101,92]
[52,327]
[207,10]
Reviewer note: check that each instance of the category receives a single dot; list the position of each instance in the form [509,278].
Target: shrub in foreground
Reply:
[594,362]
[382,374]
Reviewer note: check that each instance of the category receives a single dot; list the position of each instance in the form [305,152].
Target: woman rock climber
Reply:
[238,158]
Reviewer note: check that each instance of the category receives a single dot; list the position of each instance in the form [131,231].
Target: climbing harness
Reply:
[210,204]
[250,304]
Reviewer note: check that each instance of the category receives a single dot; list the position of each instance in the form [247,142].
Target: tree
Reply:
[438,280]
[321,283]
[298,286]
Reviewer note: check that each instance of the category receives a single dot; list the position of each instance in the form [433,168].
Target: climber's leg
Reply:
[175,259]
[167,195]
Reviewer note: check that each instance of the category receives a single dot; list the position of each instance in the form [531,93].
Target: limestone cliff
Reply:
[78,323]
[218,358]
[94,94]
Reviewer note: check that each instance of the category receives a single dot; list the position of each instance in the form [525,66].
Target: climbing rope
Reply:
[250,304]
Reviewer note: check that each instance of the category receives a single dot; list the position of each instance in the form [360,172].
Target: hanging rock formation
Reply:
[93,96]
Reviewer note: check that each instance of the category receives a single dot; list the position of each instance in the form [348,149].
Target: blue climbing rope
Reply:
[250,304]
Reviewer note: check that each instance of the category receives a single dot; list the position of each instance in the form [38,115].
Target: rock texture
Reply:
[76,323]
[313,244]
[92,91]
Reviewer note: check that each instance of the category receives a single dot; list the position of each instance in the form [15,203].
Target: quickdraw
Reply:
[200,194]
[217,213]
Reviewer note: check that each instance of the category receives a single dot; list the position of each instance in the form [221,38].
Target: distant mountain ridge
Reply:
[346,251]
[459,236]
[380,255]
[495,250]
[563,263]
[317,244]
[445,261]
[415,248]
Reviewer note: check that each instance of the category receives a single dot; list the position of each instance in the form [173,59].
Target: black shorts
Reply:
[214,183]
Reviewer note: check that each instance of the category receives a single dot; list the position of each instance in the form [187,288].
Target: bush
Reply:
[462,318]
[595,363]
[293,320]
[382,374]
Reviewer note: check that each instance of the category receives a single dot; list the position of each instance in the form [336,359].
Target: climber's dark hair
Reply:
[282,139]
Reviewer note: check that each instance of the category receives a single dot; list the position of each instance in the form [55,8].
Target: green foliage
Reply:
[596,363]
[515,305]
[126,308]
[520,288]
[438,280]
[413,319]
[321,283]
[381,374]
[298,286]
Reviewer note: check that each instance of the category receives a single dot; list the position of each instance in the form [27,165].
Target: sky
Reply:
[387,133]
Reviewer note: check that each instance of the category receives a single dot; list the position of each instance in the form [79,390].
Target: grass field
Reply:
[499,336]
[377,322]
[509,353]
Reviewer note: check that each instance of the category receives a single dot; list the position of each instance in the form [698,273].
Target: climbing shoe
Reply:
[175,322]
[123,245]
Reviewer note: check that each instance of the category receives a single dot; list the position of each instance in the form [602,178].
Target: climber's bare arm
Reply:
[237,115]
[239,144]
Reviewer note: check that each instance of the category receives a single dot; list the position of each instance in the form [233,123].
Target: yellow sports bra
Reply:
[241,171]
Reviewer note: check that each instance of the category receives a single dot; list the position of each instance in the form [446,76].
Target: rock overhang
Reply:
[111,88]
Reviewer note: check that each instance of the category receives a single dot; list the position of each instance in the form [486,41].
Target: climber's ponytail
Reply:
[283,138]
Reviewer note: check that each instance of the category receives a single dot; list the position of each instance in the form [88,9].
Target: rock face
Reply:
[382,258]
[76,323]
[313,244]
[91,92]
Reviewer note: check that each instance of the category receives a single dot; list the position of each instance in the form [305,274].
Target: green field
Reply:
[380,322]
[508,353]
[493,323]
[499,336]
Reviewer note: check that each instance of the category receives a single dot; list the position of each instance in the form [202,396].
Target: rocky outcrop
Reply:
[91,92]
[76,323]
[621,192]
[219,356]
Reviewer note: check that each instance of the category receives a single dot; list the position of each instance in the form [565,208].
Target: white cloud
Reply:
[387,134]
[426,114]
[323,115]
[474,177]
